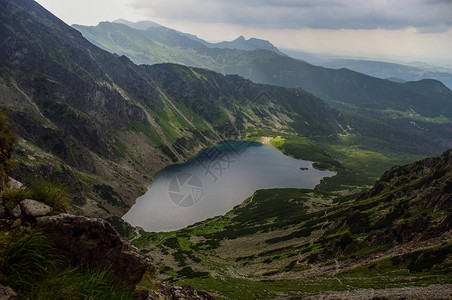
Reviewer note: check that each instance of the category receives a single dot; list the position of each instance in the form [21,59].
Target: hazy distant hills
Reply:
[141,25]
[343,86]
[385,70]
[243,44]
[240,43]
[158,44]
[154,45]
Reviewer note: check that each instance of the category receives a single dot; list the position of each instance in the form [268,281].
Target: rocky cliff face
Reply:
[95,117]
[94,242]
[408,205]
[427,182]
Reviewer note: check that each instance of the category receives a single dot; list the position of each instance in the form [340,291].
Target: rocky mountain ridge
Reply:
[260,65]
[412,117]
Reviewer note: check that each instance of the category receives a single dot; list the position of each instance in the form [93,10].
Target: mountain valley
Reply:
[394,235]
[101,111]
[121,122]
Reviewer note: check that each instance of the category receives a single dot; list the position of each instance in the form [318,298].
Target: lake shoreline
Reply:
[214,181]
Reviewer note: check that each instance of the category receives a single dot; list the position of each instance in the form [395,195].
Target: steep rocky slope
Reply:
[104,125]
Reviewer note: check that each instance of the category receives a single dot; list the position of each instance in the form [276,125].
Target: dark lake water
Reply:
[215,181]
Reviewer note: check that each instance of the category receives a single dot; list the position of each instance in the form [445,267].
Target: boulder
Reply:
[2,211]
[7,293]
[16,223]
[35,208]
[16,211]
[14,184]
[95,243]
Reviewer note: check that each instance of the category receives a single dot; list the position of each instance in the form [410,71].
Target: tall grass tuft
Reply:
[52,194]
[33,267]
[24,259]
[73,283]
[13,195]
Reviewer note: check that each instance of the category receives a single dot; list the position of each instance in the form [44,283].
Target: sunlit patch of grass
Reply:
[277,142]
[412,115]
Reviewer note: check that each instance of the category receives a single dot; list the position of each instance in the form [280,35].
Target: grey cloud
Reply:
[427,15]
[447,2]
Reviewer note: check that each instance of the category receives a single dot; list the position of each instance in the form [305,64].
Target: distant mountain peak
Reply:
[241,43]
[140,25]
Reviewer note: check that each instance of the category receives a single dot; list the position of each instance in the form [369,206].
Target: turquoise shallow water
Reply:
[215,181]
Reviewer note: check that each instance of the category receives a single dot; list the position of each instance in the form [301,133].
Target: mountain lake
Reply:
[216,180]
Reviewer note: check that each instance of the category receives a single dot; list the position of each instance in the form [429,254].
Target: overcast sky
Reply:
[393,29]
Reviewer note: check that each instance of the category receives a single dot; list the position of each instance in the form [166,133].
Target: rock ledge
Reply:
[94,242]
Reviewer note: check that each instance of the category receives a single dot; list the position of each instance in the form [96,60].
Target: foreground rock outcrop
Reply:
[94,242]
[23,214]
[89,242]
[35,208]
